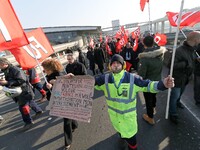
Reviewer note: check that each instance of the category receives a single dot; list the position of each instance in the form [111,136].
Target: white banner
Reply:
[72,98]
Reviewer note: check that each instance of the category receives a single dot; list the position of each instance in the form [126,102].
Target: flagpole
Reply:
[173,57]
[183,34]
[149,17]
[38,64]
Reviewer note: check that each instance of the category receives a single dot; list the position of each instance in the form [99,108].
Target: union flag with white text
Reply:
[122,35]
[39,48]
[11,33]
[187,19]
[136,33]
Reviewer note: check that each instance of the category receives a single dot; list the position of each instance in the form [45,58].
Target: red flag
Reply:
[136,33]
[135,47]
[160,39]
[121,34]
[187,19]
[39,48]
[142,4]
[11,32]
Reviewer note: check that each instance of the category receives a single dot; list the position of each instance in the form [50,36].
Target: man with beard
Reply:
[182,72]
[120,89]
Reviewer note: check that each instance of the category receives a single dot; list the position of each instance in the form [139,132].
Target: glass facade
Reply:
[61,37]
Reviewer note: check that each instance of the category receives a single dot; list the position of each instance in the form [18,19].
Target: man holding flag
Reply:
[182,72]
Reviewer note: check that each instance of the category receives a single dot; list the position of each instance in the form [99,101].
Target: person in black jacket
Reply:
[182,72]
[81,57]
[75,68]
[53,68]
[90,57]
[15,78]
[128,54]
[197,76]
[99,58]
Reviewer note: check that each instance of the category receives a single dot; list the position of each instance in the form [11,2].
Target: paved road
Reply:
[99,134]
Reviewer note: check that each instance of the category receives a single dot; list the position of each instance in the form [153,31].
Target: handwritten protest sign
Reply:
[71,98]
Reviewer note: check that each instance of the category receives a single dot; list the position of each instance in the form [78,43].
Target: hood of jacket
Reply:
[153,53]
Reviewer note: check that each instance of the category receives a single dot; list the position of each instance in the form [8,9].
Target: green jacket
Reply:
[120,91]
[151,63]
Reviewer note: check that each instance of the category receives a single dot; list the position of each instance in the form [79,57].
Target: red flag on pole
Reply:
[187,19]
[136,33]
[160,39]
[142,4]
[39,48]
[11,32]
[121,34]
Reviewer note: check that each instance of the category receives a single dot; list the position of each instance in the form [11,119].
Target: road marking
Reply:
[194,115]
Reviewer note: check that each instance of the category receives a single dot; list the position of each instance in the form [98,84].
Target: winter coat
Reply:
[122,100]
[76,68]
[49,78]
[17,78]
[197,63]
[99,57]
[81,58]
[127,54]
[183,65]
[151,62]
[112,47]
[90,57]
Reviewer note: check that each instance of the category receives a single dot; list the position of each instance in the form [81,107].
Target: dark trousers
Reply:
[34,106]
[25,113]
[132,142]
[196,88]
[26,116]
[150,99]
[69,126]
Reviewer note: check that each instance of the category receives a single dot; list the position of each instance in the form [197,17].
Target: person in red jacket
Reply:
[35,81]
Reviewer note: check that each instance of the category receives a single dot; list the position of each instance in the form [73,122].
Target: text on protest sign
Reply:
[72,98]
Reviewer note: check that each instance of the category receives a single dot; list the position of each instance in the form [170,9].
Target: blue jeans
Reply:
[175,97]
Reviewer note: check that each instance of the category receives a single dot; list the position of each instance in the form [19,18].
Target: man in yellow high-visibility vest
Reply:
[120,89]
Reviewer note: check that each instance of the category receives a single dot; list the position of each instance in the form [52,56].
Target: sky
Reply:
[51,13]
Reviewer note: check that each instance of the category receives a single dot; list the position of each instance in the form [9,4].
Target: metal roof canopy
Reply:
[67,28]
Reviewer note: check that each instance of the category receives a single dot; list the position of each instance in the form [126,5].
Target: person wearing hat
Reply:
[17,87]
[120,89]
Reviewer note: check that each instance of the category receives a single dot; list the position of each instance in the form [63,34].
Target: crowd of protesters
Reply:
[121,64]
